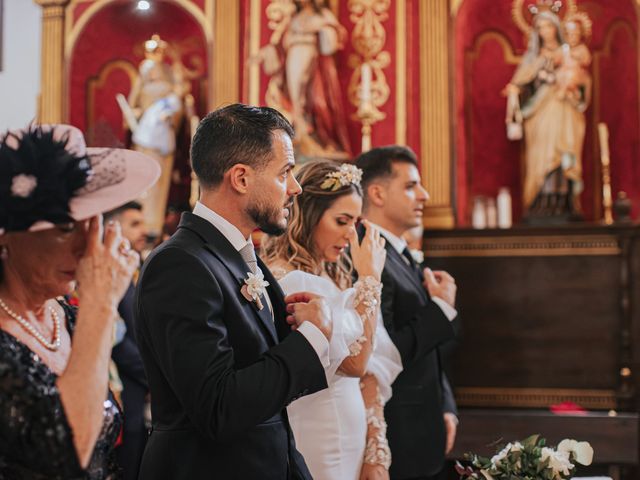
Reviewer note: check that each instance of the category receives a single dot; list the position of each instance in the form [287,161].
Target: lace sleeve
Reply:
[377,450]
[34,433]
[366,303]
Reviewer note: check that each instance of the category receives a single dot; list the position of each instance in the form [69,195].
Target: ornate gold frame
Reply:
[220,23]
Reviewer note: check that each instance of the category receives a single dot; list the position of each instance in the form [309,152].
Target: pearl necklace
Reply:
[30,329]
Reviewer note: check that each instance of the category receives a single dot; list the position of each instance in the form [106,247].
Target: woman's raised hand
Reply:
[369,255]
[105,270]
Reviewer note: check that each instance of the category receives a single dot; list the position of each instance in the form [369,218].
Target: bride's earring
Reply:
[4,253]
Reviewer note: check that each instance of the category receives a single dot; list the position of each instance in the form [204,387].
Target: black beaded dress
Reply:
[36,441]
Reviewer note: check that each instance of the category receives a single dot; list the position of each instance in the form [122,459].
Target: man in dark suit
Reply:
[126,355]
[418,310]
[221,357]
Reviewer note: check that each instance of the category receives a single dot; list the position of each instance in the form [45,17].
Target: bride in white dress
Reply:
[340,431]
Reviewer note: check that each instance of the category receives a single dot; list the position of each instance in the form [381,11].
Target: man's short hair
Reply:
[378,162]
[117,211]
[234,134]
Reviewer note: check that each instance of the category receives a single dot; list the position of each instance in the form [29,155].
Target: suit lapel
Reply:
[396,259]
[221,248]
[276,295]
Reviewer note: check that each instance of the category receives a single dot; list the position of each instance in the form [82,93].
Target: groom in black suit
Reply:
[418,312]
[218,346]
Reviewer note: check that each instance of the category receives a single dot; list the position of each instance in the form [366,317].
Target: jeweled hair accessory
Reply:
[347,175]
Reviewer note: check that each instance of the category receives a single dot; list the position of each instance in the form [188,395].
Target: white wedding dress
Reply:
[330,426]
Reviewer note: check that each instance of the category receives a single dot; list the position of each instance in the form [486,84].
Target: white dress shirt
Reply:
[312,333]
[399,244]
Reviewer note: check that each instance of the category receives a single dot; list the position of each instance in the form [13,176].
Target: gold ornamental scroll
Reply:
[368,39]
[51,109]
[435,117]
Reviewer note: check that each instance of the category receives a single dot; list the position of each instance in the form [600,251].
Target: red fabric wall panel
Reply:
[618,108]
[495,161]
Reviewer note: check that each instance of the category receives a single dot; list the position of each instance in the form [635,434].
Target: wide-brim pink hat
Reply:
[37,182]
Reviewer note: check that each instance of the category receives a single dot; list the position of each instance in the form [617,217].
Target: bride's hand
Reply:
[373,472]
[368,257]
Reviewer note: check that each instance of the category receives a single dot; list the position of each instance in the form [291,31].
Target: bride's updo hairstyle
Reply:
[322,183]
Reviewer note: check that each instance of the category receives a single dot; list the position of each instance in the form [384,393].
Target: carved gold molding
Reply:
[51,109]
[74,30]
[522,246]
[437,174]
[534,397]
[455,6]
[226,64]
[254,47]
[401,72]
[205,20]
[368,38]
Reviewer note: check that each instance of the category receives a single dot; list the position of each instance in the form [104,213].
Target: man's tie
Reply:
[406,253]
[249,256]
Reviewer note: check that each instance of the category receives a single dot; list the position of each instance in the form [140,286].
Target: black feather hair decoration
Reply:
[38,179]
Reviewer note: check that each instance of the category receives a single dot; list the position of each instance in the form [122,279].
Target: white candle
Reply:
[603,133]
[365,84]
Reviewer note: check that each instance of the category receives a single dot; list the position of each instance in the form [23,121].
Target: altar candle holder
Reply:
[365,109]
[607,200]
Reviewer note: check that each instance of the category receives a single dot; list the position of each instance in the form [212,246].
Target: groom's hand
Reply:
[309,307]
[440,284]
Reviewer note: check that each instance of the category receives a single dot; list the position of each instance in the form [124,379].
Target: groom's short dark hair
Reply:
[234,134]
[378,162]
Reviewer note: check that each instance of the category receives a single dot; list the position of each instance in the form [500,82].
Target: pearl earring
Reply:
[4,253]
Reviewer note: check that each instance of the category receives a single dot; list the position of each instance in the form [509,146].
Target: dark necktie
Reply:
[406,253]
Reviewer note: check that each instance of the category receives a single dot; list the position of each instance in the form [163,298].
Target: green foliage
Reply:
[528,459]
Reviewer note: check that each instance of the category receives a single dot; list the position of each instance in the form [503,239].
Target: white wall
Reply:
[20,76]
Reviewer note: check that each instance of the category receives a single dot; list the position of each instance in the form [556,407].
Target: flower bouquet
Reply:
[529,459]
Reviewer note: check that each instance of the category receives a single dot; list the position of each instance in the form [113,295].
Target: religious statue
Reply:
[548,95]
[304,82]
[153,112]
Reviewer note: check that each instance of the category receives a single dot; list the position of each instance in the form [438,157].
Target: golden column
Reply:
[52,61]
[226,53]
[435,117]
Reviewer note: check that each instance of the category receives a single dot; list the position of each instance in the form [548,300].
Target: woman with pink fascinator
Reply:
[56,417]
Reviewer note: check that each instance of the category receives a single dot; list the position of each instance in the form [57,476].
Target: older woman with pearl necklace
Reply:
[57,419]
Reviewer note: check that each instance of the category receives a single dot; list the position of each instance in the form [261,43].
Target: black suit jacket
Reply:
[220,371]
[134,390]
[421,394]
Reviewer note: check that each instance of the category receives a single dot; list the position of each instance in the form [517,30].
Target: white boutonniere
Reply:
[418,255]
[254,287]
